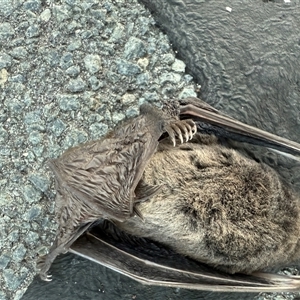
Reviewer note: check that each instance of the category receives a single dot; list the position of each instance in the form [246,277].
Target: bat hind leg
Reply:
[44,263]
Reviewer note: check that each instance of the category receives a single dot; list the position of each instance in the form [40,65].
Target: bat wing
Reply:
[210,120]
[101,176]
[152,264]
[102,179]
[98,180]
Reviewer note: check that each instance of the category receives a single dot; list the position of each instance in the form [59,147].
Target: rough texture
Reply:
[69,71]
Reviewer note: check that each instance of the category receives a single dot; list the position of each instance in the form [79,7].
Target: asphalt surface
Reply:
[71,70]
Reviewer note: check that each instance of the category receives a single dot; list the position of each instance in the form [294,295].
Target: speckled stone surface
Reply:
[69,71]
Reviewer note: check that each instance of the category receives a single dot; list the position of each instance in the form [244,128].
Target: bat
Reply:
[213,276]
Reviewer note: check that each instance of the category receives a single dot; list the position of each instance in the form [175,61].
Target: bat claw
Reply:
[172,137]
[46,277]
[192,128]
[176,127]
[182,129]
[187,132]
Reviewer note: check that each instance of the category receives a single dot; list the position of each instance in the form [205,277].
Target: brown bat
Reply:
[215,206]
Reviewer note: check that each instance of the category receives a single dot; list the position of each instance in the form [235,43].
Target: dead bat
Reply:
[181,208]
[219,207]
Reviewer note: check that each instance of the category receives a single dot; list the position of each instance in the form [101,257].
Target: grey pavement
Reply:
[69,72]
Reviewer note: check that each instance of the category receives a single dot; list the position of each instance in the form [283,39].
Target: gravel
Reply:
[69,72]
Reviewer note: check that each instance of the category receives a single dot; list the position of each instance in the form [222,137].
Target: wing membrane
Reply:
[152,264]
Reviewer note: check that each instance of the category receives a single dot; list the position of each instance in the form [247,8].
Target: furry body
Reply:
[219,207]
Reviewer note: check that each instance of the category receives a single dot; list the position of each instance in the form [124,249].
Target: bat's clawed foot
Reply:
[184,130]
[43,268]
[46,277]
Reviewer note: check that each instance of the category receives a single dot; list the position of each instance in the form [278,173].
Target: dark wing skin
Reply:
[211,121]
[153,264]
[98,179]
